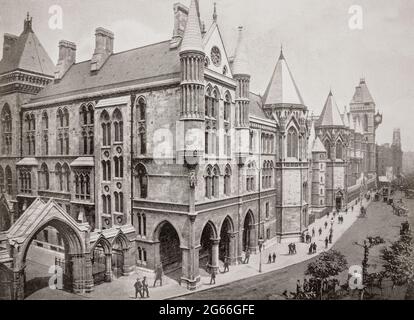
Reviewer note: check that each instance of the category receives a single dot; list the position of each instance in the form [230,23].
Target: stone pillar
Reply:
[82,279]
[108,267]
[190,260]
[215,254]
[233,248]
[18,285]
[129,263]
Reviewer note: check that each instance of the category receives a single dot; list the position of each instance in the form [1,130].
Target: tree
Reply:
[328,264]
[399,261]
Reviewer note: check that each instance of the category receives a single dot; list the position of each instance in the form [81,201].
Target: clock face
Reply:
[378,118]
[216,56]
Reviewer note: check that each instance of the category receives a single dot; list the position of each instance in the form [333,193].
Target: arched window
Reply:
[59,176]
[66,116]
[250,176]
[338,150]
[66,177]
[207,102]
[227,180]
[60,118]
[141,181]
[227,104]
[365,122]
[207,142]
[327,145]
[142,125]
[208,182]
[292,143]
[6,130]
[215,184]
[9,180]
[45,121]
[1,179]
[44,176]
[119,167]
[104,205]
[118,125]
[214,105]
[106,129]
[83,115]
[33,122]
[91,112]
[46,144]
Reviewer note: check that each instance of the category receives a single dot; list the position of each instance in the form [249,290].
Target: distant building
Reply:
[408,162]
[390,157]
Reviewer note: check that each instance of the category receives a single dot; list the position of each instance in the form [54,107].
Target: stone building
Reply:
[162,155]
[390,157]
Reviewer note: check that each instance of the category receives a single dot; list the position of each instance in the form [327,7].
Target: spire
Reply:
[215,13]
[28,24]
[241,61]
[192,40]
[330,115]
[281,56]
[282,88]
[318,146]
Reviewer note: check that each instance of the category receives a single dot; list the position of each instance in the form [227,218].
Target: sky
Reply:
[322,51]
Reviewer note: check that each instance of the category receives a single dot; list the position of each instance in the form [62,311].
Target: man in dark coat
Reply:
[269,260]
[274,257]
[330,238]
[145,290]
[226,265]
[320,231]
[213,276]
[326,224]
[138,288]
[158,275]
[247,256]
[326,243]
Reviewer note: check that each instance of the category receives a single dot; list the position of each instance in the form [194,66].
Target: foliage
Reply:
[399,260]
[328,264]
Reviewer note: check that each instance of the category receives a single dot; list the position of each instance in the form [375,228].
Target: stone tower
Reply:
[397,153]
[284,102]
[362,108]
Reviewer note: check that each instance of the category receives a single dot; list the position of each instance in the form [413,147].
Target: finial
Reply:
[215,13]
[281,57]
[28,16]
[330,91]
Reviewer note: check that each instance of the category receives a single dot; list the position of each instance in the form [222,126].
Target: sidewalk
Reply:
[123,288]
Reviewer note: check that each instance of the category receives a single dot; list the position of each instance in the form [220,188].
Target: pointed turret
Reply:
[318,146]
[311,139]
[330,116]
[241,61]
[362,94]
[192,40]
[282,88]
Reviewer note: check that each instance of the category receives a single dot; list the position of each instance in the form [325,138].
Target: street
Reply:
[379,221]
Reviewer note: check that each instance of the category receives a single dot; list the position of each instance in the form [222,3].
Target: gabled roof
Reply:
[241,60]
[362,94]
[256,107]
[192,40]
[330,115]
[318,146]
[28,54]
[282,88]
[145,64]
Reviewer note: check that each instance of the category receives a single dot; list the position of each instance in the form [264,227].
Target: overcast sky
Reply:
[320,48]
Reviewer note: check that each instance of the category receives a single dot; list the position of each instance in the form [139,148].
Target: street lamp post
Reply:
[261,240]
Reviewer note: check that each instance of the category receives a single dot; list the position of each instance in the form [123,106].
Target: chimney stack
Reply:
[104,47]
[180,21]
[67,57]
[8,43]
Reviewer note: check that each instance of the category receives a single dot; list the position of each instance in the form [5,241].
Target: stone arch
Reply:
[169,242]
[227,240]
[208,245]
[249,231]
[101,259]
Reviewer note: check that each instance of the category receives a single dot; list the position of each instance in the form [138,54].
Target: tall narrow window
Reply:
[1,179]
[208,181]
[338,149]
[292,143]
[141,181]
[44,177]
[59,176]
[227,181]
[106,129]
[9,180]
[6,130]
[118,125]
[142,125]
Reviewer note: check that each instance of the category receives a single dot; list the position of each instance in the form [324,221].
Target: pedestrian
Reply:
[274,257]
[247,256]
[314,247]
[332,221]
[269,260]
[346,211]
[326,243]
[330,238]
[326,224]
[213,276]
[138,288]
[158,275]
[310,251]
[294,248]
[145,290]
[313,232]
[320,231]
[290,248]
[226,265]
[327,215]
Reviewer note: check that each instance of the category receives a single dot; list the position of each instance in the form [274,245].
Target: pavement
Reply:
[123,287]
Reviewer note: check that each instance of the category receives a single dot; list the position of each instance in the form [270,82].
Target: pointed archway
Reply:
[170,255]
[249,240]
[226,245]
[208,246]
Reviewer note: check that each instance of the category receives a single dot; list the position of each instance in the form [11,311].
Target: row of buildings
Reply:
[162,155]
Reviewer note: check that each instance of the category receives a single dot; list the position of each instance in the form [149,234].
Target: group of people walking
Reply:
[292,248]
[272,258]
[312,248]
[141,286]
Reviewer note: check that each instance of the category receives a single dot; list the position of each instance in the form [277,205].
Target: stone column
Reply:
[215,254]
[108,267]
[129,262]
[233,248]
[190,260]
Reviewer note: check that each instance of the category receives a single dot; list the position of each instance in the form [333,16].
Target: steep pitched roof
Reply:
[318,146]
[27,53]
[241,61]
[362,94]
[330,115]
[311,139]
[282,88]
[255,107]
[192,40]
[140,65]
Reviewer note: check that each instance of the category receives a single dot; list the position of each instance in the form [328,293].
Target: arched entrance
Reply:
[208,241]
[101,259]
[119,248]
[248,232]
[72,269]
[225,239]
[170,251]
[339,197]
